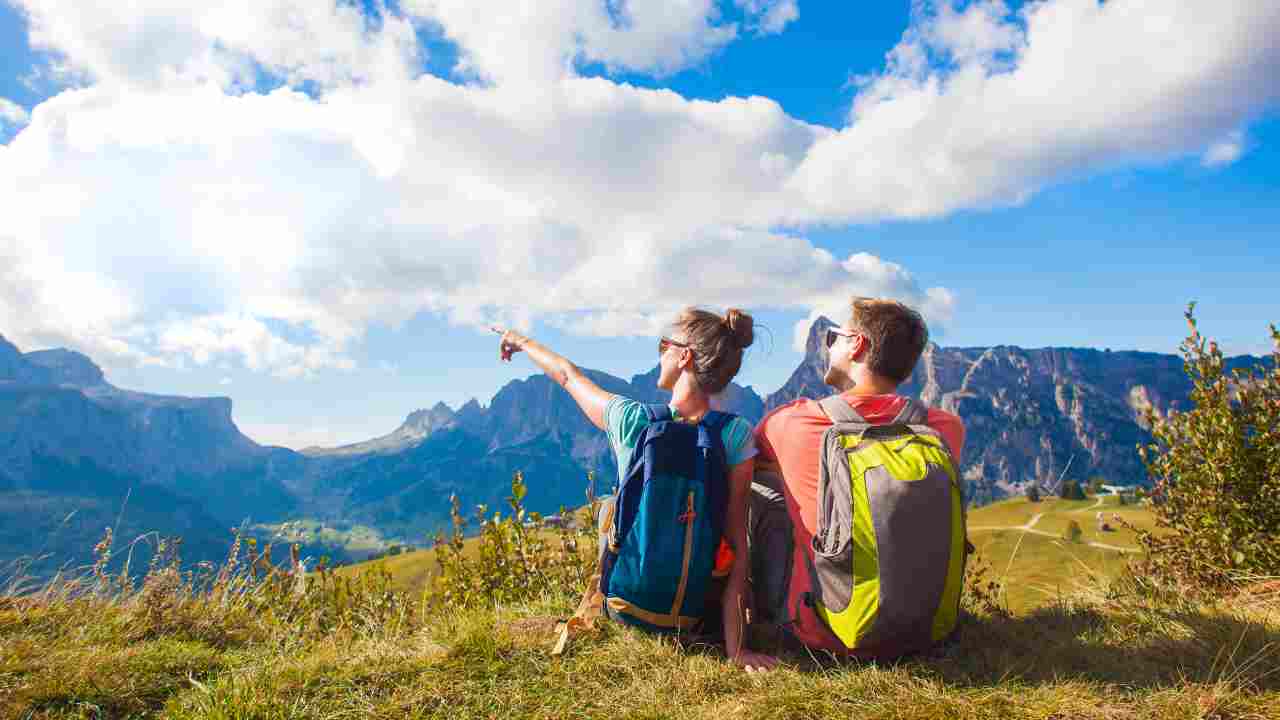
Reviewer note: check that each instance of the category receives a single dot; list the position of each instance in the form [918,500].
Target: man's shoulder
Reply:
[938,416]
[799,406]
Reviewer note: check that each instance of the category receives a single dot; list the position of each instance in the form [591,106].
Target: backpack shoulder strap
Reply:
[715,420]
[839,410]
[913,412]
[658,412]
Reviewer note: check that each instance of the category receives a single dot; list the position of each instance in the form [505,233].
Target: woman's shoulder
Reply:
[624,418]
[739,438]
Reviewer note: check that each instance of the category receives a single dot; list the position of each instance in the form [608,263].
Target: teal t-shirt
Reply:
[624,418]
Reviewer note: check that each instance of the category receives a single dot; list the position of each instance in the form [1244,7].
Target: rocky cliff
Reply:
[57,413]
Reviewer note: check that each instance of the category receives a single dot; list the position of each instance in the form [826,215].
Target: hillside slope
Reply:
[1021,541]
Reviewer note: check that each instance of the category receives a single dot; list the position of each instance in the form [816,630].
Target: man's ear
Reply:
[857,347]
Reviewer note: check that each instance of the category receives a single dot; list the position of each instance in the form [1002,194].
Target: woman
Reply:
[697,359]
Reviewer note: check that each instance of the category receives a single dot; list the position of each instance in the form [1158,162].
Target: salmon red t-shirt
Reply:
[791,438]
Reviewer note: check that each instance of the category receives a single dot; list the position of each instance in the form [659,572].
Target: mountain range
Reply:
[78,454]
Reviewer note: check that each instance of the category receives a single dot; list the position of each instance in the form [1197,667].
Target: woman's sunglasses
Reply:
[834,334]
[664,342]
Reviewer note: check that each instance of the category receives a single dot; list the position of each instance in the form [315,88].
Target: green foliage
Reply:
[1071,490]
[1216,470]
[515,559]
[1073,533]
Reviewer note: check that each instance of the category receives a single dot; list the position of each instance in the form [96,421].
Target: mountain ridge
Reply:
[1028,414]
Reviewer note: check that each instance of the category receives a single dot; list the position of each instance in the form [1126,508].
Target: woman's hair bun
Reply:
[741,326]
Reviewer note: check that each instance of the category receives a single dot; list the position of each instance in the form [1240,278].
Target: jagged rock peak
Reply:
[436,414]
[816,343]
[10,359]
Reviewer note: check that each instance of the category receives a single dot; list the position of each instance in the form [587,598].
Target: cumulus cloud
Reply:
[984,106]
[12,114]
[769,17]
[166,210]
[1225,151]
[155,42]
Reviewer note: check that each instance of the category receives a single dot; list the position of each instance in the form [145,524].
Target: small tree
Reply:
[1095,485]
[1073,533]
[1033,492]
[1071,490]
[1216,469]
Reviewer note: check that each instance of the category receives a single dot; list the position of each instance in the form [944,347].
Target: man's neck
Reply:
[870,384]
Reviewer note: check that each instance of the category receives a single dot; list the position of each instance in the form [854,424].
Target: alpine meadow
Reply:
[672,359]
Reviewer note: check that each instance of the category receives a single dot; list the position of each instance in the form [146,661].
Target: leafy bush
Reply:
[514,558]
[1071,490]
[1216,472]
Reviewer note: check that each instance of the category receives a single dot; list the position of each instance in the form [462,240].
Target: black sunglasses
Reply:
[834,334]
[664,341]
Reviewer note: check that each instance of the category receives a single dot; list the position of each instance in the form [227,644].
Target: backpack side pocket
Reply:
[833,578]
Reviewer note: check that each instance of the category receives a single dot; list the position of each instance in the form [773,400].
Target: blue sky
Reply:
[328,258]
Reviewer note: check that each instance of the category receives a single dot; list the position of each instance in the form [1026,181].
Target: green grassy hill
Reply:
[1032,567]
[250,646]
[1025,546]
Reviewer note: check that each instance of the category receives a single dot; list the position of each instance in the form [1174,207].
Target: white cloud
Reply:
[225,381]
[1224,151]
[12,114]
[769,17]
[158,42]
[984,107]
[507,42]
[164,212]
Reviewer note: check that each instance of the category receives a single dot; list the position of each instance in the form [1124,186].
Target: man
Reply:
[869,357]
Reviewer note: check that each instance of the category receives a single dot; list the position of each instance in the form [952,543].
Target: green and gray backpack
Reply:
[889,550]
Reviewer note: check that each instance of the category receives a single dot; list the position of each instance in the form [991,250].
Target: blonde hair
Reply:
[717,343]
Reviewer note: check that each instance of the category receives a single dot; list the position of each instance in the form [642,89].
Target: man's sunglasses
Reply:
[834,334]
[664,342]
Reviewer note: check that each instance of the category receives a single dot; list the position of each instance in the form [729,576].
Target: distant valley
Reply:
[73,448]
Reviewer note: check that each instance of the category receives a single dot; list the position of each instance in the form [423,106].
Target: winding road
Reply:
[1029,526]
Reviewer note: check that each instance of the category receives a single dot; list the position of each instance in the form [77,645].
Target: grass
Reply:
[411,571]
[1086,640]
[1082,657]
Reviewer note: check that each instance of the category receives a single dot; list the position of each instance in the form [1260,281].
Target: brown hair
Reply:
[717,343]
[897,335]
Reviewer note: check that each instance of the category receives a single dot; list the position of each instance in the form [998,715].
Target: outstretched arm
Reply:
[589,396]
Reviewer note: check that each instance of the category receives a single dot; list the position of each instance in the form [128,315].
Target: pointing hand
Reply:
[511,343]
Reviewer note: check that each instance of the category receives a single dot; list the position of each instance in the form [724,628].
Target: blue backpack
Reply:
[667,524]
